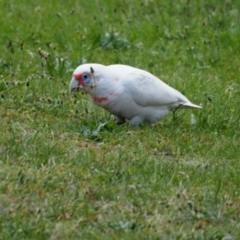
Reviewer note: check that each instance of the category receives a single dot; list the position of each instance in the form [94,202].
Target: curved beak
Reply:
[74,85]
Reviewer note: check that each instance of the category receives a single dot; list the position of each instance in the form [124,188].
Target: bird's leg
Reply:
[135,121]
[120,120]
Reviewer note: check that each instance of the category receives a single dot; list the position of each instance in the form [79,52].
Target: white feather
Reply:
[132,93]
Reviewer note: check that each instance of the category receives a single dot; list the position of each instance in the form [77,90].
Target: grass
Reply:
[68,172]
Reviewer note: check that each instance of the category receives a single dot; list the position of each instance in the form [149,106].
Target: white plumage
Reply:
[128,93]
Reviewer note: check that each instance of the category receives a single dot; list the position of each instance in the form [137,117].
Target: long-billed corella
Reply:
[128,93]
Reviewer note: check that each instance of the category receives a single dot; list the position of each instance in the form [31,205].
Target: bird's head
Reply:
[94,79]
[83,79]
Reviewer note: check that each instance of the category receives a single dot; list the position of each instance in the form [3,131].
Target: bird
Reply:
[128,93]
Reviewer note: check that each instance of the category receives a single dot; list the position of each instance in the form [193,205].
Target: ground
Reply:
[67,171]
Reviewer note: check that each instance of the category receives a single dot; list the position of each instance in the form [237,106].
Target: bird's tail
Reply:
[190,105]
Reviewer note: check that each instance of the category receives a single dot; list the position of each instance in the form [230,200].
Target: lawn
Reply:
[67,171]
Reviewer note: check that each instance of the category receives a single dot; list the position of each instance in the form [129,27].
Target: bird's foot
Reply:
[135,121]
[120,120]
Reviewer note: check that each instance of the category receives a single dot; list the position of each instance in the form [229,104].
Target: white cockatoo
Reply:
[128,93]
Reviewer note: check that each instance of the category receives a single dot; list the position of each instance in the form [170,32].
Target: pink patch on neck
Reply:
[99,100]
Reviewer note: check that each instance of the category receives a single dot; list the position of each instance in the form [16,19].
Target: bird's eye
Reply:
[86,78]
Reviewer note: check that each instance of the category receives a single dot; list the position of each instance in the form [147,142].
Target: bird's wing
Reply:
[146,89]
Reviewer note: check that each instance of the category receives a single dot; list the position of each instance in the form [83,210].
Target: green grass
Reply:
[68,172]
